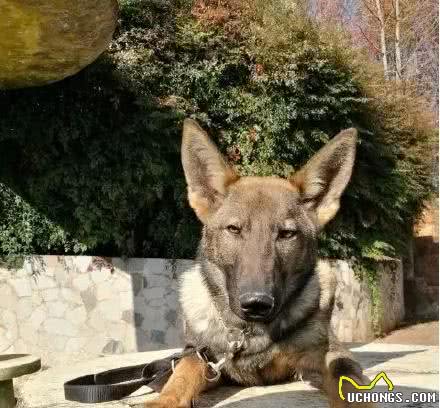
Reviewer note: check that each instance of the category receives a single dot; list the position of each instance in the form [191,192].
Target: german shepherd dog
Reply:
[258,298]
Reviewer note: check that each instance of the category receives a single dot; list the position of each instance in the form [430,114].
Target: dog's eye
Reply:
[233,229]
[286,233]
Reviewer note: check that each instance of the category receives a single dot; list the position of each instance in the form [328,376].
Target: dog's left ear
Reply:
[323,179]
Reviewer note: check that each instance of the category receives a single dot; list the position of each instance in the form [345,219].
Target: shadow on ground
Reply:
[294,399]
[312,398]
[262,397]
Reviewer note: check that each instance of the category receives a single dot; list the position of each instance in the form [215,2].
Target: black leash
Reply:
[120,382]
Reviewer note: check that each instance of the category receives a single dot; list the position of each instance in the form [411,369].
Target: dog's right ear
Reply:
[206,172]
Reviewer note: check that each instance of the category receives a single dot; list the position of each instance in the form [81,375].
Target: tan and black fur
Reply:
[258,270]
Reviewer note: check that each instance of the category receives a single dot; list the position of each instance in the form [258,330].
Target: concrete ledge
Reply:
[411,368]
[13,366]
[16,365]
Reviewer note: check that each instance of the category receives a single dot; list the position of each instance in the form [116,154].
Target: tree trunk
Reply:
[383,44]
[397,41]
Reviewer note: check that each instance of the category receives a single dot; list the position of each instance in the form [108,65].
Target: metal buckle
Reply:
[216,367]
[235,345]
[201,356]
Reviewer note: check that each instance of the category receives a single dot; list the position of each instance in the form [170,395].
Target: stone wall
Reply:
[75,307]
[422,274]
[356,317]
[72,308]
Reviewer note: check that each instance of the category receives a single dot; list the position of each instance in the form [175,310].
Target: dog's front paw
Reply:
[165,401]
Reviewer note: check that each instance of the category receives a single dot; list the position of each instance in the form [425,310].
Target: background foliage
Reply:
[91,164]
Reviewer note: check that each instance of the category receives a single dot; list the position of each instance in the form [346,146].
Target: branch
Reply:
[391,13]
[371,11]
[368,40]
[387,17]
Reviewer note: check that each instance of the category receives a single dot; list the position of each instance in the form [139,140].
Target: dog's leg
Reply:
[339,362]
[187,382]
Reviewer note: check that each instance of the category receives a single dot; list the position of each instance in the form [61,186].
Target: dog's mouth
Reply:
[264,317]
[255,318]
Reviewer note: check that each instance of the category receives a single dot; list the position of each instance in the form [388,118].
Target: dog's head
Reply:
[261,232]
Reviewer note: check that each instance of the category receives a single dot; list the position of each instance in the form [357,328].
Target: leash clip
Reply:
[236,341]
[216,367]
[235,345]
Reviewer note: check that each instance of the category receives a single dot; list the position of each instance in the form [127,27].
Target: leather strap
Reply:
[120,382]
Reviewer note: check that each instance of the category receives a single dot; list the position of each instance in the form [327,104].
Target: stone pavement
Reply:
[411,368]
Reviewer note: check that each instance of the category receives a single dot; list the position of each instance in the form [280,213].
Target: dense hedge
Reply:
[91,164]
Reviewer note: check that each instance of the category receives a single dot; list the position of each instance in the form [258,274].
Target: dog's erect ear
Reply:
[206,172]
[323,179]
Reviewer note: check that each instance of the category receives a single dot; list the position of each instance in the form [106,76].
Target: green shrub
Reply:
[96,156]
[23,230]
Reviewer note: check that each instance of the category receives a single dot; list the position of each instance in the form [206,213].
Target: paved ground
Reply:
[422,333]
[412,368]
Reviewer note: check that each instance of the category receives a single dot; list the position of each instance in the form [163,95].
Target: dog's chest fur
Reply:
[274,352]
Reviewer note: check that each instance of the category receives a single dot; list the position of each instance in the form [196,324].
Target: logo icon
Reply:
[364,387]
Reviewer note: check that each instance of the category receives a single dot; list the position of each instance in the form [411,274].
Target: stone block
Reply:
[60,275]
[173,338]
[156,266]
[125,300]
[61,327]
[5,342]
[137,281]
[80,263]
[171,317]
[50,294]
[128,316]
[104,291]
[57,308]
[89,298]
[135,265]
[109,310]
[156,303]
[158,336]
[71,296]
[158,281]
[9,321]
[154,319]
[100,275]
[8,298]
[58,343]
[120,265]
[121,282]
[81,282]
[21,286]
[77,315]
[75,344]
[114,347]
[96,322]
[44,282]
[154,293]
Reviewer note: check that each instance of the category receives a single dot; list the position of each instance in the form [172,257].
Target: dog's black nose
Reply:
[256,305]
